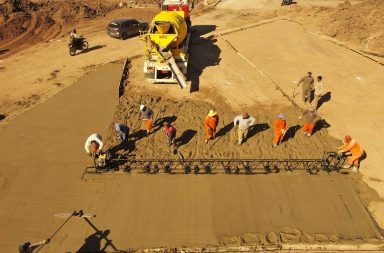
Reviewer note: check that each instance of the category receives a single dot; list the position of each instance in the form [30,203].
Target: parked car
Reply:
[123,28]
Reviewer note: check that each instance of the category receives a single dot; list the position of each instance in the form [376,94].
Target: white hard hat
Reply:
[142,107]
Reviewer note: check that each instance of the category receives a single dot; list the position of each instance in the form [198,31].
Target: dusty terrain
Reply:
[43,157]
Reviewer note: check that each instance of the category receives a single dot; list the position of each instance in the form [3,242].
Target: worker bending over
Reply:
[310,119]
[307,85]
[122,132]
[243,122]
[210,123]
[170,132]
[279,129]
[146,114]
[93,144]
[356,151]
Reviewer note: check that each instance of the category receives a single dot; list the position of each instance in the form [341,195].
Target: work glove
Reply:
[283,131]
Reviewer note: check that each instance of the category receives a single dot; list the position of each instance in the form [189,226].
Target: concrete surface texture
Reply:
[41,165]
[43,157]
[352,84]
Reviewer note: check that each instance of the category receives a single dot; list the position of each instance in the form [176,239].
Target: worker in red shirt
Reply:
[279,129]
[170,131]
[210,123]
[356,151]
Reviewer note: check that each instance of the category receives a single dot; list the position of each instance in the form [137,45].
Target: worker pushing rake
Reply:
[242,124]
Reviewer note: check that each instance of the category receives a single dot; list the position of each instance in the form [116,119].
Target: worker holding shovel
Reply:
[210,123]
[307,85]
[27,247]
[147,115]
[170,132]
[279,129]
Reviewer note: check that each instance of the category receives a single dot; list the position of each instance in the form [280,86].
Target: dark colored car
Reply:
[123,28]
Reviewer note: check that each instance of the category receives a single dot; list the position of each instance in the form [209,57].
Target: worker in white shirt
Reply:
[243,122]
[319,90]
[94,144]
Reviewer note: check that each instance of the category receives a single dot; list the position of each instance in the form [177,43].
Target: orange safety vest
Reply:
[211,122]
[279,124]
[352,147]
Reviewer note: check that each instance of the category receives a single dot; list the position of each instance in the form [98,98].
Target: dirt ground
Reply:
[154,211]
[190,129]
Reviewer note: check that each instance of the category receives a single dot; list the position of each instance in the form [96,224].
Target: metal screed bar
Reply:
[330,161]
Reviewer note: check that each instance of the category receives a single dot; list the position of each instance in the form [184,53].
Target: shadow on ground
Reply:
[185,137]
[203,53]
[93,243]
[3,51]
[255,129]
[223,131]
[90,49]
[324,99]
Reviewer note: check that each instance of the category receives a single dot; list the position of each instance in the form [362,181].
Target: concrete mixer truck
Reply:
[167,47]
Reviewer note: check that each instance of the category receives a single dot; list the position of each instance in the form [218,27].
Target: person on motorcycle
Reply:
[73,36]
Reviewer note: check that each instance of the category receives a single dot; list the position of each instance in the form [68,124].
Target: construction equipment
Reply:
[330,161]
[166,48]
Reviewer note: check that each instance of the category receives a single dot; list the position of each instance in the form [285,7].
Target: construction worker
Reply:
[147,115]
[170,132]
[27,247]
[279,129]
[210,123]
[319,90]
[310,119]
[356,151]
[307,85]
[122,132]
[93,144]
[243,122]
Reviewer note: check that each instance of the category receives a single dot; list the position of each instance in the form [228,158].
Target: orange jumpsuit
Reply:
[210,124]
[310,119]
[148,125]
[308,127]
[356,151]
[279,127]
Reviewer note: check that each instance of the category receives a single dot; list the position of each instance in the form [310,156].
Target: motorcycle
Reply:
[286,2]
[77,44]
